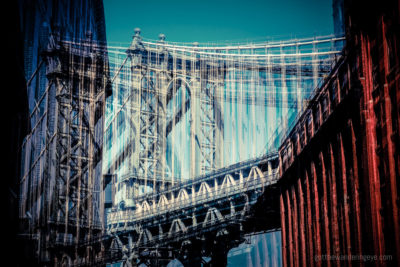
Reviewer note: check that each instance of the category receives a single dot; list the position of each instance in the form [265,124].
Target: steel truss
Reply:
[168,84]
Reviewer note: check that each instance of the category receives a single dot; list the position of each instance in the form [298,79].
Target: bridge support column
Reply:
[221,247]
[191,253]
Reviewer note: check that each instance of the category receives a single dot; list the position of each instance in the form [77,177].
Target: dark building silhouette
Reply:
[16,126]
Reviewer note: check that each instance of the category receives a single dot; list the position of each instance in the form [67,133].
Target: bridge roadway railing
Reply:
[124,216]
[214,187]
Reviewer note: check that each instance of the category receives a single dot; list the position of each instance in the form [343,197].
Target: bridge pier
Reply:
[219,256]
[223,242]
[215,246]
[191,253]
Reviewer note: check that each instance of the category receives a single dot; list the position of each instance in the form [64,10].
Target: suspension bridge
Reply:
[183,171]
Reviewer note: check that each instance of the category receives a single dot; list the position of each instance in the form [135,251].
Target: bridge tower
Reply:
[167,118]
[70,212]
[172,106]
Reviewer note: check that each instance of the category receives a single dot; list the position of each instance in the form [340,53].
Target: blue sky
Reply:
[217,20]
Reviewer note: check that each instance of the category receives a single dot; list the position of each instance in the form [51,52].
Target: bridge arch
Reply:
[183,196]
[145,236]
[213,215]
[255,173]
[204,190]
[116,243]
[227,183]
[182,79]
[145,207]
[163,201]
[177,226]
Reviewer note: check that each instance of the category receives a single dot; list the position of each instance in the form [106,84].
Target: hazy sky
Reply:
[217,20]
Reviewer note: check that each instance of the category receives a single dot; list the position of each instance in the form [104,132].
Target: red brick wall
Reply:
[340,166]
